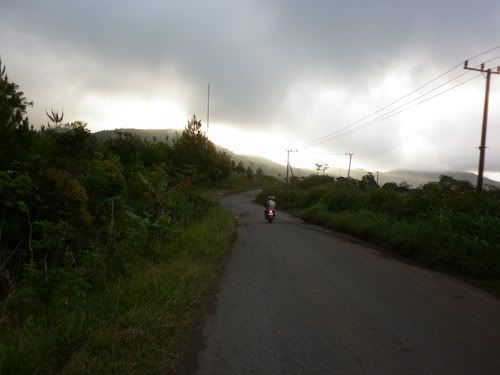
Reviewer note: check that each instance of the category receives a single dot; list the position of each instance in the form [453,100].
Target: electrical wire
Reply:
[332,135]
[386,106]
[391,114]
[375,121]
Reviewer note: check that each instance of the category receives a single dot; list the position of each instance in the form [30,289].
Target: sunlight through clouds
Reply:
[111,112]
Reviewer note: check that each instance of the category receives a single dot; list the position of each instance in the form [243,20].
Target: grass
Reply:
[137,325]
[433,243]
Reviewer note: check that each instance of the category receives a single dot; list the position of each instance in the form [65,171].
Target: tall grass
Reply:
[433,241]
[135,325]
[445,225]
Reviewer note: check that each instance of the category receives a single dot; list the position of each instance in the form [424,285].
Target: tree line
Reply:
[74,211]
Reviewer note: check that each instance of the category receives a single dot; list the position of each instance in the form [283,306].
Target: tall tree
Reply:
[197,156]
[14,124]
[368,181]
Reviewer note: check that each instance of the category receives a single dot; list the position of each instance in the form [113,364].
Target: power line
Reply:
[484,53]
[345,130]
[388,105]
[321,153]
[332,136]
[385,117]
[323,138]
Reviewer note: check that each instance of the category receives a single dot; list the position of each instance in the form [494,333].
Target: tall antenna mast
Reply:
[208,108]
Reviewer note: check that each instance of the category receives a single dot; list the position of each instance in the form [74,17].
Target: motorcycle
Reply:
[270,214]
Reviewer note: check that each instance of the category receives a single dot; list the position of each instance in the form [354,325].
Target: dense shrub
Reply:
[445,224]
[77,213]
[343,198]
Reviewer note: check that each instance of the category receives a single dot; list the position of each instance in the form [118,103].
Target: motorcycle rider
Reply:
[270,204]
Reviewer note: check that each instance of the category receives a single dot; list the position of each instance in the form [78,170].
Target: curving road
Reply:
[296,299]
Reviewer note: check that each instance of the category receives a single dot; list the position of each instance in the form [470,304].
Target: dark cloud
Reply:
[252,52]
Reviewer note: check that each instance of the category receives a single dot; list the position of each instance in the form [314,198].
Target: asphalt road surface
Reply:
[296,299]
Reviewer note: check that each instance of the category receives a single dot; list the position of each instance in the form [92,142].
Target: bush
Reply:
[444,224]
[344,198]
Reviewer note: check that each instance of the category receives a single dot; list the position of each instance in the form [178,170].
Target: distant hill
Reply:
[160,135]
[269,167]
[413,178]
[417,178]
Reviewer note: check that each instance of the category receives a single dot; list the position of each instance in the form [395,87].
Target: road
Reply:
[297,299]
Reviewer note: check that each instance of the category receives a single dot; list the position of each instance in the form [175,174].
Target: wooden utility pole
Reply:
[377,176]
[350,154]
[482,148]
[288,162]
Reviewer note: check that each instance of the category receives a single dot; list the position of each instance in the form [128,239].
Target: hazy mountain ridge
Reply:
[168,135]
[271,168]
[416,178]
[413,178]
[159,135]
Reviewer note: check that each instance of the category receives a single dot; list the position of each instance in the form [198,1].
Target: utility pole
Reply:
[208,108]
[350,154]
[482,148]
[288,162]
[377,176]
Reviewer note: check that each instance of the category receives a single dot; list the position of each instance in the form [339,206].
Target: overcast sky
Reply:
[282,73]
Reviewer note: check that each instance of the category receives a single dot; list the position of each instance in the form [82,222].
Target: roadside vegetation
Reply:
[107,248]
[445,224]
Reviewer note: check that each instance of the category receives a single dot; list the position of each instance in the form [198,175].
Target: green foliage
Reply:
[55,117]
[63,198]
[82,221]
[14,125]
[201,160]
[250,173]
[445,224]
[240,168]
[104,180]
[15,190]
[368,182]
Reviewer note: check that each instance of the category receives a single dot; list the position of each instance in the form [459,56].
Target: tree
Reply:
[104,180]
[250,173]
[404,186]
[15,133]
[391,186]
[13,103]
[401,187]
[318,167]
[449,183]
[55,117]
[240,168]
[324,167]
[259,171]
[64,199]
[368,181]
[16,193]
[193,127]
[197,157]
[73,146]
